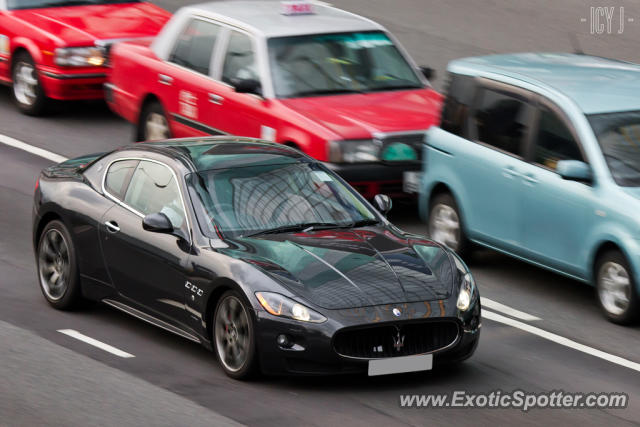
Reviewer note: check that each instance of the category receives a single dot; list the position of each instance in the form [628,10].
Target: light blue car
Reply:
[538,156]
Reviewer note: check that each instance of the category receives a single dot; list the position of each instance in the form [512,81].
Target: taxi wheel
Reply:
[616,288]
[445,224]
[28,93]
[153,124]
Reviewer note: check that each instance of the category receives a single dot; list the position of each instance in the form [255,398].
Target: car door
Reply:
[243,114]
[556,213]
[190,89]
[146,267]
[500,125]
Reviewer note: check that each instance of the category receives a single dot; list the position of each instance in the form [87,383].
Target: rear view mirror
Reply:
[248,86]
[157,223]
[383,203]
[574,170]
[428,72]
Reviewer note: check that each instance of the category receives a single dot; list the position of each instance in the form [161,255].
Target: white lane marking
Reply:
[12,142]
[106,347]
[505,309]
[561,340]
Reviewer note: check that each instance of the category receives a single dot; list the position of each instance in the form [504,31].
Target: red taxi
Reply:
[56,49]
[333,84]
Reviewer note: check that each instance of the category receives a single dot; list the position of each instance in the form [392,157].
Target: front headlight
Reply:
[281,306]
[80,57]
[354,151]
[466,292]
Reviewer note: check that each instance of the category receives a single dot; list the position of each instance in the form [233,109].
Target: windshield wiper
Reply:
[364,222]
[309,226]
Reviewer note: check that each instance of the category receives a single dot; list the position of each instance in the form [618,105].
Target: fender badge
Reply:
[396,312]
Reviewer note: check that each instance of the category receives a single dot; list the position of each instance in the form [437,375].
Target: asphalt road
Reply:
[50,378]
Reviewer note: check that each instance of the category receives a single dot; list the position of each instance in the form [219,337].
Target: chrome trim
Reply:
[75,76]
[3,59]
[151,320]
[140,214]
[197,125]
[447,347]
[108,42]
[112,227]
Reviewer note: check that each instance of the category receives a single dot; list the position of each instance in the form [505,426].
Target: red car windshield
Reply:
[36,4]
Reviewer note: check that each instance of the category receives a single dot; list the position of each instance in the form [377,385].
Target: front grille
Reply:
[384,341]
[413,140]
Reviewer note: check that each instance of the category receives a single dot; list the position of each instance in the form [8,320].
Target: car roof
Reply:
[595,84]
[222,152]
[265,18]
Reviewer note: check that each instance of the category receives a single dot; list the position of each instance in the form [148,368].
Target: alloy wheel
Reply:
[156,127]
[444,226]
[232,333]
[54,267]
[25,83]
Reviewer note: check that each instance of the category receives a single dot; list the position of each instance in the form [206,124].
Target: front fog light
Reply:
[464,297]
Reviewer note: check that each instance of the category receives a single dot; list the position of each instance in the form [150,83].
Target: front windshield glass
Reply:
[619,138]
[33,4]
[248,200]
[338,63]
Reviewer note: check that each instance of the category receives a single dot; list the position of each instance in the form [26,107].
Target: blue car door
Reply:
[500,124]
[556,213]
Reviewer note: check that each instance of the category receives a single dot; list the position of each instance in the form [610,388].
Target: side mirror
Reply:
[383,203]
[574,170]
[157,223]
[428,72]
[248,86]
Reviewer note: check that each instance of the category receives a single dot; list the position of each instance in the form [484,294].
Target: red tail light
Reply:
[37,184]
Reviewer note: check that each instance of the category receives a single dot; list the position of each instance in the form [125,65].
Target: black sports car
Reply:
[256,251]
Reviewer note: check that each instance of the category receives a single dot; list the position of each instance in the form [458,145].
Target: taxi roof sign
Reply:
[296,7]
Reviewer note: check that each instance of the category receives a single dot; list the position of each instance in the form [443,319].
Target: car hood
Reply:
[357,116]
[339,269]
[79,25]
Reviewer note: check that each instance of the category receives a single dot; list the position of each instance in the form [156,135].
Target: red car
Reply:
[57,49]
[330,83]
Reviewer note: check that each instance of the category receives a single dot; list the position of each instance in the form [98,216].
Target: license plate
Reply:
[398,365]
[411,182]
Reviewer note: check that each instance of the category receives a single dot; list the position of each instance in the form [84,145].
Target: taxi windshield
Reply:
[325,64]
[244,201]
[34,4]
[619,138]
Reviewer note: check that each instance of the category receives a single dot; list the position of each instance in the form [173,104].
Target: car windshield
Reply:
[34,4]
[619,138]
[274,198]
[326,64]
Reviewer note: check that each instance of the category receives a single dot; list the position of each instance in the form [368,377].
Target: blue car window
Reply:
[502,121]
[554,141]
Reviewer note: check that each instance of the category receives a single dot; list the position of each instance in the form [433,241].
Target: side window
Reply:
[239,61]
[502,121]
[153,189]
[456,106]
[118,177]
[554,141]
[194,46]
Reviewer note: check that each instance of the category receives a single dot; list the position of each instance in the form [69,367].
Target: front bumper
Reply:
[73,84]
[314,352]
[376,178]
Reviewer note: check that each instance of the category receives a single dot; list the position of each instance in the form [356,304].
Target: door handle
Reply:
[509,172]
[165,80]
[529,179]
[215,99]
[112,226]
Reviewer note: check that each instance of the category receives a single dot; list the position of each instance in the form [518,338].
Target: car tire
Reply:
[57,267]
[234,340]
[445,224]
[153,124]
[616,288]
[28,93]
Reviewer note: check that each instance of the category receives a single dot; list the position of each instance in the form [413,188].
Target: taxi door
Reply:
[239,112]
[187,79]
